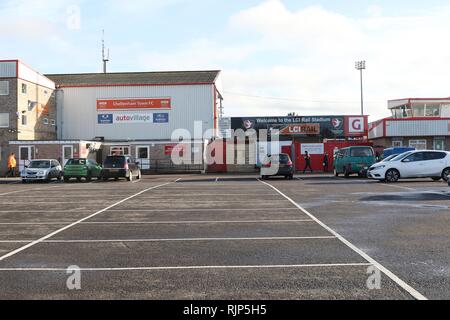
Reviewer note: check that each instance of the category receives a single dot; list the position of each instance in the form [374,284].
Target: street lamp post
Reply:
[361,65]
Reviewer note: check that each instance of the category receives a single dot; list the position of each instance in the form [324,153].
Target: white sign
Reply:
[313,148]
[356,124]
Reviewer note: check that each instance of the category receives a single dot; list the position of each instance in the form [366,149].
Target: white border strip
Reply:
[331,265]
[10,254]
[372,261]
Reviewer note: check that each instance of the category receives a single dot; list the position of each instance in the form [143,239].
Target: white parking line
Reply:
[154,222]
[176,240]
[76,223]
[199,209]
[287,266]
[19,191]
[413,292]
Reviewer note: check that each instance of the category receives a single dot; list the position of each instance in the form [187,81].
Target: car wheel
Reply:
[78,179]
[105,179]
[66,179]
[436,179]
[291,177]
[392,175]
[445,174]
[89,177]
[24,181]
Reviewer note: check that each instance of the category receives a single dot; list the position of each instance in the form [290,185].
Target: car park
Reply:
[277,165]
[413,164]
[354,160]
[116,167]
[82,169]
[42,170]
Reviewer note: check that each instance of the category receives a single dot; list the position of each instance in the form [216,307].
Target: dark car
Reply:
[116,167]
[277,165]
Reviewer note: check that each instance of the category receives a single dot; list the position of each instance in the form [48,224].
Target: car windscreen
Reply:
[401,156]
[39,164]
[114,161]
[362,152]
[390,158]
[76,162]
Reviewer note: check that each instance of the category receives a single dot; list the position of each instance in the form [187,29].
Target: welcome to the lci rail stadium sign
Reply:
[328,127]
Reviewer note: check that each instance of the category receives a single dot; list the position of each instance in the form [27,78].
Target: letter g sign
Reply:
[356,124]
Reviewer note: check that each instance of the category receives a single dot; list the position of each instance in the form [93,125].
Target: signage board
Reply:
[313,148]
[301,129]
[136,104]
[132,118]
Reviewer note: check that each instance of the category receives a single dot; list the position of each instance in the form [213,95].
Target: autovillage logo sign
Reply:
[131,118]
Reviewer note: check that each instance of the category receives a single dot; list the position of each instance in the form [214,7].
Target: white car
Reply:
[413,164]
[42,170]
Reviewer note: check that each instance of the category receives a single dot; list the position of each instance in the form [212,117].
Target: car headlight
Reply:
[378,168]
[41,173]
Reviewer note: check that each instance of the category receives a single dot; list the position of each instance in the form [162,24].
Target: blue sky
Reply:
[300,51]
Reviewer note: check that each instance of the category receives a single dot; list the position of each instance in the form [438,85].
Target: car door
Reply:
[435,162]
[414,166]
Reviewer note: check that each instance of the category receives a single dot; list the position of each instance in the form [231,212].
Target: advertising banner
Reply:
[313,148]
[301,129]
[127,104]
[328,127]
[133,118]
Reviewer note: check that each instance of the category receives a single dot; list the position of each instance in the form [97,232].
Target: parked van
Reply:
[354,160]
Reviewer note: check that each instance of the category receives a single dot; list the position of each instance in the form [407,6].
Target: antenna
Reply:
[105,57]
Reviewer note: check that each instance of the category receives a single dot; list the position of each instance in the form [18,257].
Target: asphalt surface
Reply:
[226,237]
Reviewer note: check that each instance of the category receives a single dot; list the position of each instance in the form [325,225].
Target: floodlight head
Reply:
[360,65]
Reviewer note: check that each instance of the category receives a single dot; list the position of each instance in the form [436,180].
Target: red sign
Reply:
[170,149]
[134,104]
[301,129]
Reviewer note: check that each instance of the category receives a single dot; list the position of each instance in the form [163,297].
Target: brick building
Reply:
[27,108]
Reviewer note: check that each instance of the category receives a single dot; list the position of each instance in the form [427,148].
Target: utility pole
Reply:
[361,65]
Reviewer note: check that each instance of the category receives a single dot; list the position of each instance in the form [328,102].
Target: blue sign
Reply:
[160,118]
[105,119]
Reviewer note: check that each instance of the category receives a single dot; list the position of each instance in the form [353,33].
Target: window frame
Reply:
[8,119]
[7,88]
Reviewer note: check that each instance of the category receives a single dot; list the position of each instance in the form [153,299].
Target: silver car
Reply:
[42,170]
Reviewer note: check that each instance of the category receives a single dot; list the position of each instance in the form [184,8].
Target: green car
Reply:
[82,168]
[354,160]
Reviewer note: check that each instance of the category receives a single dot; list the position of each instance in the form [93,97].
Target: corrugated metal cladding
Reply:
[8,69]
[410,128]
[78,116]
[377,131]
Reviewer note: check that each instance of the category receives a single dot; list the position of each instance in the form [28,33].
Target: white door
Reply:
[26,154]
[143,157]
[67,154]
[414,166]
[436,163]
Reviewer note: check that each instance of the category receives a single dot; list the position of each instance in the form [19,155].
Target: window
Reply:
[24,88]
[4,88]
[45,121]
[24,120]
[397,143]
[432,110]
[435,155]
[142,153]
[120,151]
[53,122]
[418,144]
[4,120]
[362,152]
[419,156]
[419,110]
